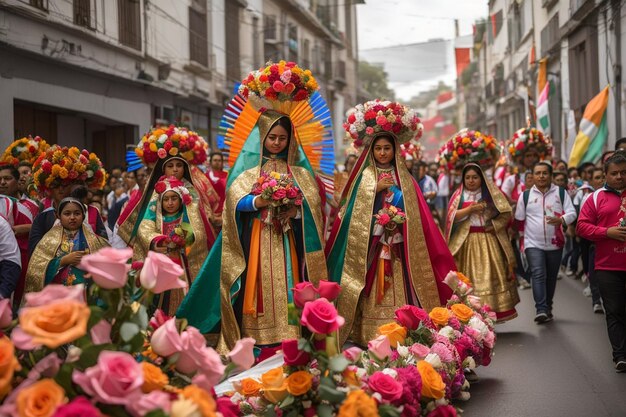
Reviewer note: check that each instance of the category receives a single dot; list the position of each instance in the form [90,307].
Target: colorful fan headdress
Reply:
[526,138]
[63,166]
[373,117]
[165,141]
[290,90]
[165,184]
[467,146]
[26,149]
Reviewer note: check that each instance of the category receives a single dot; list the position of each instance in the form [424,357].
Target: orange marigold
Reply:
[358,404]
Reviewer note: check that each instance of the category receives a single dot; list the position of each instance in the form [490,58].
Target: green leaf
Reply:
[113,410]
[64,379]
[128,331]
[331,394]
[338,363]
[141,317]
[95,315]
[156,413]
[386,410]
[324,410]
[289,399]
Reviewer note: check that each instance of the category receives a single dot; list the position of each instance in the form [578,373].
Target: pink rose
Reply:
[6,314]
[279,194]
[22,340]
[160,273]
[352,353]
[271,183]
[155,400]
[328,290]
[165,340]
[210,368]
[292,192]
[380,347]
[474,302]
[78,407]
[410,316]
[369,130]
[162,153]
[101,332]
[303,293]
[55,292]
[419,351]
[383,219]
[227,408]
[108,267]
[278,86]
[490,339]
[389,389]
[115,379]
[452,280]
[289,87]
[293,355]
[381,120]
[321,317]
[242,354]
[158,319]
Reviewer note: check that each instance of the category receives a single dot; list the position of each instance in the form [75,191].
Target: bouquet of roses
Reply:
[529,137]
[469,146]
[390,217]
[282,193]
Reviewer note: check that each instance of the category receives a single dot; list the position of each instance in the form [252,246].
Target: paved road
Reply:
[562,368]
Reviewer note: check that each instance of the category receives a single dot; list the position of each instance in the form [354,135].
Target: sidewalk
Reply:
[561,368]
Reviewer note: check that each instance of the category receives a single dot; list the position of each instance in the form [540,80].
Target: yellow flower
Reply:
[299,383]
[173,151]
[204,400]
[55,170]
[63,173]
[358,404]
[462,312]
[273,378]
[249,387]
[153,378]
[439,315]
[153,147]
[394,332]
[432,383]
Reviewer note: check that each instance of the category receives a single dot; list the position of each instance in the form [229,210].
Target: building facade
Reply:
[99,73]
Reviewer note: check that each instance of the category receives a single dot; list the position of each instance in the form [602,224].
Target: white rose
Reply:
[434,360]
[447,332]
[477,324]
[162,138]
[403,351]
[391,372]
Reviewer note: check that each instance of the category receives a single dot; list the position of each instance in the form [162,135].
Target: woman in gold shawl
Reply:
[259,260]
[476,231]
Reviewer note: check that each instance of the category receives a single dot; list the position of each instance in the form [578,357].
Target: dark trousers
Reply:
[593,281]
[613,290]
[544,267]
[519,269]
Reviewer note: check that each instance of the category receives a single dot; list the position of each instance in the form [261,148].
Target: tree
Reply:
[373,79]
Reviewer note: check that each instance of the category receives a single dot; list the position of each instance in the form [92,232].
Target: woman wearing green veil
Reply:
[244,288]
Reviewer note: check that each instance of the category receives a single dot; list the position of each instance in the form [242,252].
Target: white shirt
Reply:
[474,196]
[537,232]
[9,251]
[443,185]
[509,184]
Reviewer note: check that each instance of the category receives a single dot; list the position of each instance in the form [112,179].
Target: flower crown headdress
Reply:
[163,141]
[63,166]
[529,137]
[26,149]
[377,116]
[467,146]
[411,151]
[165,184]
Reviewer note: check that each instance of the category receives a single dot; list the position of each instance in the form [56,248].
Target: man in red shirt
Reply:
[217,175]
[603,221]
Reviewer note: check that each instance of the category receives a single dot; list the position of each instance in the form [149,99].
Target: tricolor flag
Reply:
[592,132]
[543,117]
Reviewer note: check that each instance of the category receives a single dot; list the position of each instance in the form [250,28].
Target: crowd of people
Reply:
[388,235]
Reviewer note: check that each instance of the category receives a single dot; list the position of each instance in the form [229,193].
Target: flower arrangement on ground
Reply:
[162,141]
[525,138]
[377,116]
[63,166]
[26,149]
[469,146]
[95,352]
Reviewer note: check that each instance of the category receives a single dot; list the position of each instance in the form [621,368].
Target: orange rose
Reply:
[394,332]
[249,387]
[8,365]
[432,384]
[464,278]
[462,312]
[273,378]
[204,400]
[275,394]
[439,315]
[40,399]
[358,404]
[299,383]
[350,378]
[55,324]
[153,378]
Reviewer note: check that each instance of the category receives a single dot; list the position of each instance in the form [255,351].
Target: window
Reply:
[40,4]
[129,23]
[292,42]
[269,27]
[82,13]
[306,54]
[198,33]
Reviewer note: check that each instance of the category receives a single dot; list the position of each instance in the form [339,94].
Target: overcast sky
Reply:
[386,23]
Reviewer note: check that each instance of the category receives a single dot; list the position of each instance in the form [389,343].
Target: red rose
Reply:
[167,145]
[520,146]
[369,115]
[387,126]
[292,355]
[303,293]
[292,192]
[328,290]
[460,151]
[389,389]
[226,407]
[443,411]
[300,95]
[321,317]
[160,187]
[279,194]
[186,199]
[397,127]
[411,316]
[351,118]
[486,360]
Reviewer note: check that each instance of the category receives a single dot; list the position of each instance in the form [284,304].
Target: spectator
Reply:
[602,220]
[427,184]
[10,262]
[560,179]
[620,145]
[541,213]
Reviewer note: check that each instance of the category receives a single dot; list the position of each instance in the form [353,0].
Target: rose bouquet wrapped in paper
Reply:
[26,149]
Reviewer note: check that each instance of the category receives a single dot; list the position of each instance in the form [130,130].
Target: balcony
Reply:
[550,35]
[578,8]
